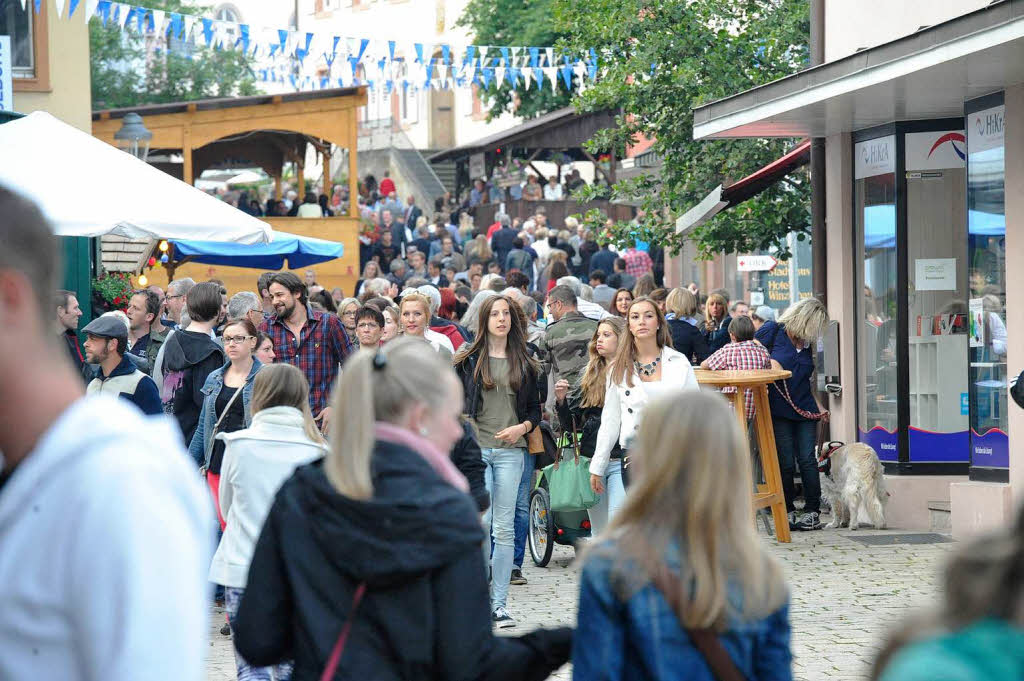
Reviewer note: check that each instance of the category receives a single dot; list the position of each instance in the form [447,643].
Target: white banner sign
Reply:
[874,157]
[985,129]
[477,167]
[935,150]
[755,263]
[935,274]
[6,89]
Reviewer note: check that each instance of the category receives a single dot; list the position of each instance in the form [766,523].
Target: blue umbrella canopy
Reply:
[298,251]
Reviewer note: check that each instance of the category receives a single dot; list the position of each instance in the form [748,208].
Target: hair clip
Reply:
[380,360]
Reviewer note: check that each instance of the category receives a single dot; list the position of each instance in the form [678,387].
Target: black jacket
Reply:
[687,339]
[585,420]
[190,357]
[718,338]
[527,397]
[467,458]
[501,243]
[416,545]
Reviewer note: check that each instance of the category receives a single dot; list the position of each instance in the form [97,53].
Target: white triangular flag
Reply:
[90,8]
[550,52]
[23,4]
[122,15]
[443,70]
[60,8]
[499,74]
[158,21]
[483,53]
[551,73]
[527,77]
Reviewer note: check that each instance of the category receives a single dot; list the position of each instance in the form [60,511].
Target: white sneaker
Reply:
[501,619]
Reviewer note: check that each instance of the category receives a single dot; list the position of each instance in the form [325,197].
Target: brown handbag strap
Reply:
[705,641]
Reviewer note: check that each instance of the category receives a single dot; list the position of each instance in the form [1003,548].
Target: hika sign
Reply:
[874,157]
[6,89]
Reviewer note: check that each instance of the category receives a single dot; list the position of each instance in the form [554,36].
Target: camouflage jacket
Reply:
[565,344]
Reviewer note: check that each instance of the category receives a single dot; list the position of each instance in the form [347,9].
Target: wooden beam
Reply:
[186,153]
[597,166]
[326,156]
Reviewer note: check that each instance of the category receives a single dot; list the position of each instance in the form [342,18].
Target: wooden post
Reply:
[353,181]
[326,156]
[186,154]
[300,175]
[277,187]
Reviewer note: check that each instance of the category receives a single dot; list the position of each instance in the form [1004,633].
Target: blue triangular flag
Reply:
[243,37]
[208,31]
[302,52]
[504,55]
[567,76]
[282,38]
[534,56]
[470,53]
[419,52]
[391,50]
[103,9]
[486,75]
[538,75]
[72,6]
[362,47]
[177,25]
[446,54]
[39,6]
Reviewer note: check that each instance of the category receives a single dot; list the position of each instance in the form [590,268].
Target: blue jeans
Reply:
[522,524]
[611,501]
[794,442]
[502,477]
[246,672]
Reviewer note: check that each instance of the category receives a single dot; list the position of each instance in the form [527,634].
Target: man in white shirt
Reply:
[106,532]
[588,309]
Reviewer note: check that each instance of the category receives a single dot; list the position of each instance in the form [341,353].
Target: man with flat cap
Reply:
[105,344]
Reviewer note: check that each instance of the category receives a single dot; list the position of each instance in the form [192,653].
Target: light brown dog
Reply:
[855,480]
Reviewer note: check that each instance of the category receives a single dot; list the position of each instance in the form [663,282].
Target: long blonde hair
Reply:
[284,385]
[377,385]
[592,385]
[710,323]
[805,320]
[696,499]
[622,365]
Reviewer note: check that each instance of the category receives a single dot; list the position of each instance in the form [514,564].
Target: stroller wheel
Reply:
[542,528]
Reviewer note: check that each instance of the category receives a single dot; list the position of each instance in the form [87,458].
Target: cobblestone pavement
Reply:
[845,598]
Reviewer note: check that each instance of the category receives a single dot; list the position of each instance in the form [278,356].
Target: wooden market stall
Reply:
[263,131]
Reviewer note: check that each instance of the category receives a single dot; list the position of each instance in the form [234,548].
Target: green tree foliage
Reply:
[661,58]
[516,22]
[131,70]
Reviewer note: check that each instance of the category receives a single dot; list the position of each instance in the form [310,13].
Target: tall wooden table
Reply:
[768,495]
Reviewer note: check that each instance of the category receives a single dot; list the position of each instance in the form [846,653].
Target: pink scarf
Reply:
[438,460]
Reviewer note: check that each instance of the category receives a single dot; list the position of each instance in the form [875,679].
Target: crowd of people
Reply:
[364,462]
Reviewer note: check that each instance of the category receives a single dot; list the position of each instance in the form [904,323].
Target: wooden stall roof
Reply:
[564,129]
[224,103]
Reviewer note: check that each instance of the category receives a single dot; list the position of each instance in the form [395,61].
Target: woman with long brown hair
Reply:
[620,303]
[502,400]
[644,367]
[580,411]
[682,561]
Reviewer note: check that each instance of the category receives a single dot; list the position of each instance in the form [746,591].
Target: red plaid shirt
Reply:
[322,346]
[638,263]
[744,356]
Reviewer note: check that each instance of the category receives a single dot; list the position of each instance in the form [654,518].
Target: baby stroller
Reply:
[547,527]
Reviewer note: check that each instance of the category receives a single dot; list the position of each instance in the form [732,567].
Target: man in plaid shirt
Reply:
[743,353]
[638,263]
[313,341]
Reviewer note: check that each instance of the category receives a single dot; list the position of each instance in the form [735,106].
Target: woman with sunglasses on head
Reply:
[375,551]
[644,367]
[227,394]
[502,400]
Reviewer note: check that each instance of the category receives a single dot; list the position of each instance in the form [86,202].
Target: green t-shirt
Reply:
[497,408]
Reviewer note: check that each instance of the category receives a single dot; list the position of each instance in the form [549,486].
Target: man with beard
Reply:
[106,340]
[313,341]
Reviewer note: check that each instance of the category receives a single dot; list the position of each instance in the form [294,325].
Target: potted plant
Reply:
[110,291]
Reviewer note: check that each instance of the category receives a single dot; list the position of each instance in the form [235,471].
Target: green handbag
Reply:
[569,478]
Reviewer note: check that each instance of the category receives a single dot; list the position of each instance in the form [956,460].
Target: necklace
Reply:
[647,369]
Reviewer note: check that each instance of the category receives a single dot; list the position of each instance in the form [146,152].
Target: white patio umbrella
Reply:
[86,187]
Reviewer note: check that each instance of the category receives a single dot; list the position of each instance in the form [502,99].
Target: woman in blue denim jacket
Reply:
[689,511]
[219,395]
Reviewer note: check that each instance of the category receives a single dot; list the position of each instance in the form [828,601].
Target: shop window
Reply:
[986,239]
[29,58]
[875,218]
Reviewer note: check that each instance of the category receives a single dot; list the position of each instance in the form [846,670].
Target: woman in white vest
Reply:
[256,462]
[645,367]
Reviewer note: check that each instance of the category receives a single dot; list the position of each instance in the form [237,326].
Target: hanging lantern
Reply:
[164,259]
[163,246]
[143,280]
[152,261]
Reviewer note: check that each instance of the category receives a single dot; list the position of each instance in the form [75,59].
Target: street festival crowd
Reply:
[365,458]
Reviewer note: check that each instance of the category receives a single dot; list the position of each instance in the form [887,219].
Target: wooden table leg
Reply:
[770,463]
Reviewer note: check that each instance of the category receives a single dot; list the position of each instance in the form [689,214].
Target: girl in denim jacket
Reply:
[687,524]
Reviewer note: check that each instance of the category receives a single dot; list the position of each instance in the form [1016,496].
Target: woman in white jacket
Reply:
[257,460]
[645,366]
